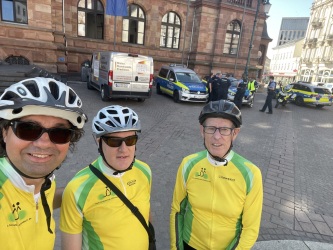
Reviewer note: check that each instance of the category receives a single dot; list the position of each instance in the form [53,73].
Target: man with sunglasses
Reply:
[217,200]
[40,120]
[92,216]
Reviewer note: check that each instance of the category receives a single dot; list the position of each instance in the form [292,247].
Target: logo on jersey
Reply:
[18,216]
[201,174]
[108,193]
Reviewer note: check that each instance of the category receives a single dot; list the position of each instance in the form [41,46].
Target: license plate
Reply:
[122,85]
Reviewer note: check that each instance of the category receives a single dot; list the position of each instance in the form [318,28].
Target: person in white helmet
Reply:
[92,215]
[40,120]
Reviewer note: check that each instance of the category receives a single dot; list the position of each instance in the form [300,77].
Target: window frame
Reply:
[233,33]
[131,21]
[173,26]
[88,12]
[15,5]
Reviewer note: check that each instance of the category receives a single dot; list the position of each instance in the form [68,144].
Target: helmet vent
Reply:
[32,86]
[54,89]
[71,97]
[10,95]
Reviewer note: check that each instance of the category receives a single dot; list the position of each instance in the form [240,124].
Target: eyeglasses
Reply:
[30,131]
[222,130]
[115,142]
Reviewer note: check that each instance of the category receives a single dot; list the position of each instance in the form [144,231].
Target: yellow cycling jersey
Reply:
[23,223]
[91,208]
[216,206]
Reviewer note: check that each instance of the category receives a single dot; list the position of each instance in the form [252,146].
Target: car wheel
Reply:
[319,106]
[251,103]
[141,99]
[105,93]
[176,96]
[158,89]
[299,101]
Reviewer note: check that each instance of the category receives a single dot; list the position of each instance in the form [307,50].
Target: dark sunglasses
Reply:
[115,142]
[30,131]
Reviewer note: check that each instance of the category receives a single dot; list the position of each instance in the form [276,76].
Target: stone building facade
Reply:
[317,55]
[217,33]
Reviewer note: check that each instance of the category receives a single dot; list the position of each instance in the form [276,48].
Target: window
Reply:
[14,11]
[170,31]
[134,25]
[90,19]
[163,72]
[232,38]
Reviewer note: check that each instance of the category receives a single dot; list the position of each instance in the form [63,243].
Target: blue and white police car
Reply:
[181,83]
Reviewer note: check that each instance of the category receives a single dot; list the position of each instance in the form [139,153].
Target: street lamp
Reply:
[267,6]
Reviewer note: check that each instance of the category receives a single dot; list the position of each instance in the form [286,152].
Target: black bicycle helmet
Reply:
[42,96]
[221,109]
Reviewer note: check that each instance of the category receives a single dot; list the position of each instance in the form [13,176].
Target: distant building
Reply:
[292,28]
[317,53]
[285,61]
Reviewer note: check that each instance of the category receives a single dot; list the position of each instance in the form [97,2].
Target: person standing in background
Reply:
[270,94]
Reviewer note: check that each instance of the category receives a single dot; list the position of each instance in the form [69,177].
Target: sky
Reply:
[284,8]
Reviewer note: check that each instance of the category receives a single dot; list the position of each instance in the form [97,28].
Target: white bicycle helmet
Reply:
[114,119]
[42,96]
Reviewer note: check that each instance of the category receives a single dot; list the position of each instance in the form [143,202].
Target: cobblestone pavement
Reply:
[293,148]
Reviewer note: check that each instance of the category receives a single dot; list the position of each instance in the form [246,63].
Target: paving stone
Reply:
[308,227]
[322,228]
[302,216]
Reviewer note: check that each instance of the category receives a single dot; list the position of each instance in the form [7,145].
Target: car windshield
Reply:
[188,77]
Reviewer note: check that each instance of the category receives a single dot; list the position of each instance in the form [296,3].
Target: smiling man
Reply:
[92,216]
[40,120]
[217,200]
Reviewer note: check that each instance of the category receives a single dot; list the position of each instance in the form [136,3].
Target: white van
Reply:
[121,75]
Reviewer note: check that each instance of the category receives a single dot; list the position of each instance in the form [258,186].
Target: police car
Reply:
[307,93]
[181,83]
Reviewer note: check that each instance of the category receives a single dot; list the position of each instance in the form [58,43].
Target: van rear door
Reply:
[132,73]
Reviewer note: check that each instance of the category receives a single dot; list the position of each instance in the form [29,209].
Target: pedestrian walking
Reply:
[40,120]
[93,215]
[218,194]
[270,94]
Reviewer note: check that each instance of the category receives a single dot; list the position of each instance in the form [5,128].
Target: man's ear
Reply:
[202,131]
[235,133]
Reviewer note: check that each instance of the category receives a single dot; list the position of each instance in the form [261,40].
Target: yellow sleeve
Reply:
[177,211]
[252,213]
[70,217]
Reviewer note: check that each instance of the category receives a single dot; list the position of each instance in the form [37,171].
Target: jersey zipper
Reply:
[124,187]
[36,211]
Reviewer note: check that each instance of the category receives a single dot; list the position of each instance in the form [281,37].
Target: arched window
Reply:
[90,16]
[14,11]
[232,38]
[170,31]
[134,25]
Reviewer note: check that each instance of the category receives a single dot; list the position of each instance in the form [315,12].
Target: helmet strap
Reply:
[116,171]
[45,186]
[25,175]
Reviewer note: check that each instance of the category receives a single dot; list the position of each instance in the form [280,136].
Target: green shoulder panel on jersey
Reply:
[87,184]
[144,168]
[3,178]
[192,160]
[243,166]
